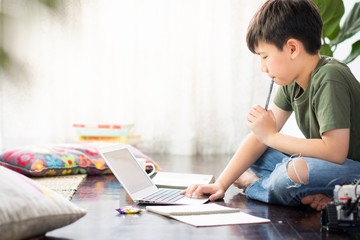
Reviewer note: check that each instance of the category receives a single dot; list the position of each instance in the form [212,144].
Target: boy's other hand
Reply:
[262,123]
[215,191]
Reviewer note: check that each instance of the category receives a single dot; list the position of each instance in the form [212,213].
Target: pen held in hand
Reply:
[268,98]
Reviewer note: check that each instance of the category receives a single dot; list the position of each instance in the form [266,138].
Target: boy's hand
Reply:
[215,190]
[262,123]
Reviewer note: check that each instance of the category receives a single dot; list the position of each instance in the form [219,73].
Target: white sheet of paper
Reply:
[220,219]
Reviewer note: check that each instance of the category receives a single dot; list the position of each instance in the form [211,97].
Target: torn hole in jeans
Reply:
[291,160]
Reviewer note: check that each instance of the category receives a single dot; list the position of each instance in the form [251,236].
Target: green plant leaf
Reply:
[351,25]
[334,10]
[355,52]
[51,4]
[321,5]
[4,59]
[331,13]
[332,29]
[326,50]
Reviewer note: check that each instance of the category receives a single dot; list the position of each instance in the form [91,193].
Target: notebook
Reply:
[206,215]
[137,183]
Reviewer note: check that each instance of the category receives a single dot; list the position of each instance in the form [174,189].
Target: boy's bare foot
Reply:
[247,178]
[316,201]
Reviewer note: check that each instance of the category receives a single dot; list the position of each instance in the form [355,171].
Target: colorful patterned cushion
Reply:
[30,210]
[54,160]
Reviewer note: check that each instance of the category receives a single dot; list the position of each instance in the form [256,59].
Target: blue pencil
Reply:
[268,98]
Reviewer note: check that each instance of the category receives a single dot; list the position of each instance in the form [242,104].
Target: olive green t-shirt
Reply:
[330,101]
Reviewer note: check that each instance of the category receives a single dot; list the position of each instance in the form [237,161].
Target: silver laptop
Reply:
[137,183]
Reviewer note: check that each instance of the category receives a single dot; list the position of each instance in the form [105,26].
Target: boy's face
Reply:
[277,64]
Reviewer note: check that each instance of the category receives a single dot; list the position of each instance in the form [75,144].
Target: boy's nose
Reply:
[264,68]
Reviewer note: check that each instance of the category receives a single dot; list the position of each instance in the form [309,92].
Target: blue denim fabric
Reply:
[275,186]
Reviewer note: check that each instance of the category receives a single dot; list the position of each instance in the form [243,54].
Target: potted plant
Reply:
[333,34]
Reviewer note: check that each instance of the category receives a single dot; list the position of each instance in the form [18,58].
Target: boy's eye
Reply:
[264,57]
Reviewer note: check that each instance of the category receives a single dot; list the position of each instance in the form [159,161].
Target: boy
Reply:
[323,94]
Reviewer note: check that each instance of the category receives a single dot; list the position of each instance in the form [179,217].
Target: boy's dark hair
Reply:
[279,20]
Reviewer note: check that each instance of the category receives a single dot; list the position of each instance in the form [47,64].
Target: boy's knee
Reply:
[297,170]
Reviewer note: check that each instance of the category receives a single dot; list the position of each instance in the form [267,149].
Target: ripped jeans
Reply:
[275,186]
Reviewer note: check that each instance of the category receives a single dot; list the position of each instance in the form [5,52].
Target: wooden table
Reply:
[101,195]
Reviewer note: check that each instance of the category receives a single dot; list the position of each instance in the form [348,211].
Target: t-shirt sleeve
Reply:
[332,106]
[282,99]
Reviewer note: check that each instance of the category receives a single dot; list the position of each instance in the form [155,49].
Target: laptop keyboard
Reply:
[165,195]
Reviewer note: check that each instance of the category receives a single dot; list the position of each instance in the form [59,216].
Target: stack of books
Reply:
[107,133]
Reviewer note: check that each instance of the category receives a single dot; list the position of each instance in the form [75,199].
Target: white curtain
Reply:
[178,69]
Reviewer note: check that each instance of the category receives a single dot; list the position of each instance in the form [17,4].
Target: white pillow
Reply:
[28,209]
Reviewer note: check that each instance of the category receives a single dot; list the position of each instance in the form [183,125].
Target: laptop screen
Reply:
[125,167]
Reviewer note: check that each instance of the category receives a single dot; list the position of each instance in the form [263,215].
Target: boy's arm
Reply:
[333,145]
[249,151]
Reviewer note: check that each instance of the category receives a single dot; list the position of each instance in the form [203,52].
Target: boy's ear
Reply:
[293,47]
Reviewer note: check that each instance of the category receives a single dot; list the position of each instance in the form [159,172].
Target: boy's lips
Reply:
[274,79]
